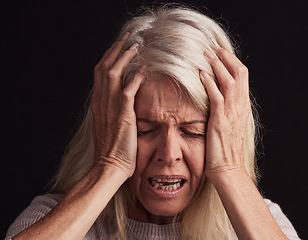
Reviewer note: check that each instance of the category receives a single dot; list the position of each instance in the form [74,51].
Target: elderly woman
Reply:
[167,147]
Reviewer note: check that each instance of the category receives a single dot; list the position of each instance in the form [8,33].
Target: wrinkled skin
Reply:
[115,126]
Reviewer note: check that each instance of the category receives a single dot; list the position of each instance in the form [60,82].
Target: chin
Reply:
[164,208]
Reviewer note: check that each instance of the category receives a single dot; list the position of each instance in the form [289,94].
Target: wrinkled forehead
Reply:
[160,87]
[160,96]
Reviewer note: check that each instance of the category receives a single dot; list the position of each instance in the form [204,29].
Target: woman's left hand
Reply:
[224,165]
[229,111]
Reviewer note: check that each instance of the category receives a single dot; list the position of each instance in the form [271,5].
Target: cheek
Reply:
[142,161]
[143,154]
[195,158]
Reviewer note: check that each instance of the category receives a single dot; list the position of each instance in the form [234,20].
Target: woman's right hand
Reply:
[114,118]
[115,148]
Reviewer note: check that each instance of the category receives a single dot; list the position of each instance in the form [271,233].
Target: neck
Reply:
[139,213]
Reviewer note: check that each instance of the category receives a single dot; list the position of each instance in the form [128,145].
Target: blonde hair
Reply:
[172,41]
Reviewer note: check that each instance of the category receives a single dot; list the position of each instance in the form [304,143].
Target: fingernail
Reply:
[209,55]
[142,69]
[215,47]
[125,37]
[205,74]
[134,47]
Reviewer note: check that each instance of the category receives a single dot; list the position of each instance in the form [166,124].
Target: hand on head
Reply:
[230,108]
[114,119]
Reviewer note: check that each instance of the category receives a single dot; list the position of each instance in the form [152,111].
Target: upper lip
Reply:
[168,178]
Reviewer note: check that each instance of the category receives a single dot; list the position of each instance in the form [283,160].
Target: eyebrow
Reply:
[194,121]
[147,121]
[182,123]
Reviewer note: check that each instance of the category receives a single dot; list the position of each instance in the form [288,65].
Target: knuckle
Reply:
[241,71]
[98,68]
[101,67]
[214,62]
[218,101]
[105,65]
[223,53]
[112,74]
[230,85]
[127,95]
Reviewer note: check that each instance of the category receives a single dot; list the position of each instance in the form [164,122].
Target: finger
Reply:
[99,75]
[114,51]
[129,92]
[106,54]
[236,68]
[230,61]
[116,72]
[114,54]
[103,65]
[226,82]
[216,97]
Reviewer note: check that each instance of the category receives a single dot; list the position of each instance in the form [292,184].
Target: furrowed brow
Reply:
[182,123]
[193,122]
[146,120]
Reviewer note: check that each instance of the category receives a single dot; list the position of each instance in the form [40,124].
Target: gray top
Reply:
[135,230]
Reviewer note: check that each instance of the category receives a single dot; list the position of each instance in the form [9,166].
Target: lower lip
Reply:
[165,193]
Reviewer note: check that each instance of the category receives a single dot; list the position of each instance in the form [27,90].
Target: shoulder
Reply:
[45,202]
[37,209]
[282,220]
[40,206]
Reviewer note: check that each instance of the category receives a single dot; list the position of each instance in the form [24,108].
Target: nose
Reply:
[169,148]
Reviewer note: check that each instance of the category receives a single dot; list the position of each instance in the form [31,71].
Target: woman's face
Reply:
[171,151]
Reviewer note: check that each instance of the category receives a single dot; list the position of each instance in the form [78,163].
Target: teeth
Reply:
[156,185]
[166,184]
[166,180]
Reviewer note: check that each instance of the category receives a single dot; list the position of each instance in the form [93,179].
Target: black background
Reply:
[49,50]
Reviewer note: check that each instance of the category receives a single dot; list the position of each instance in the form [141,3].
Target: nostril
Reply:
[170,162]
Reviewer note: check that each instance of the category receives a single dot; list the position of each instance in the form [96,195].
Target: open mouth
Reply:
[167,184]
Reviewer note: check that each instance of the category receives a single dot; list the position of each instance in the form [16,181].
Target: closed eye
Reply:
[145,126]
[192,134]
[141,133]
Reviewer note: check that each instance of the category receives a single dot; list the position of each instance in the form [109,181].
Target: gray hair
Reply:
[172,41]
